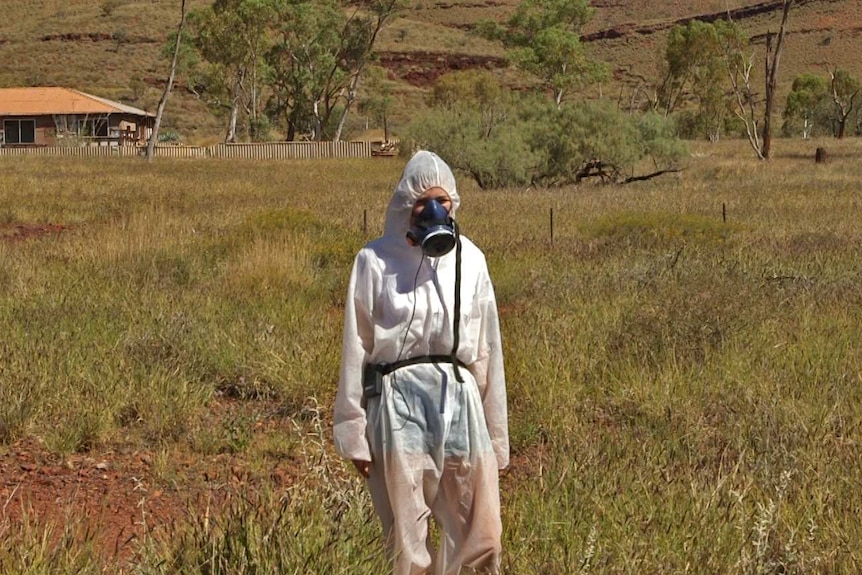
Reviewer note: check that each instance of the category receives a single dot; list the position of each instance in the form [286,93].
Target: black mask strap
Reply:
[456,322]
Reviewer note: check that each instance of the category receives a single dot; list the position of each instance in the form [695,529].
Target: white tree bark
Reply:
[154,136]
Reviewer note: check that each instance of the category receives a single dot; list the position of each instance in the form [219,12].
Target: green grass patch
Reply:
[657,230]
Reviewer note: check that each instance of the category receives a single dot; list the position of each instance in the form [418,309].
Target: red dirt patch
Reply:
[115,495]
[14,232]
[422,69]
[96,37]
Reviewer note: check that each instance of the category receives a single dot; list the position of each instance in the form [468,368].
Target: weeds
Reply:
[29,546]
[323,524]
[684,393]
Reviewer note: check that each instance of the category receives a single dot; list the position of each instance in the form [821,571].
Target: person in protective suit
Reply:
[421,402]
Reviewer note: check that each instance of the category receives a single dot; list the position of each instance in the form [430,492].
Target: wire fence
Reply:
[261,151]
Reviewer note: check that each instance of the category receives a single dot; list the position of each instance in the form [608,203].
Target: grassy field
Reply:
[684,377]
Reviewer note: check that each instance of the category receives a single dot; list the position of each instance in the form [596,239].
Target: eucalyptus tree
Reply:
[303,59]
[154,135]
[693,69]
[296,61]
[807,104]
[845,92]
[543,38]
[232,37]
[360,35]
[773,58]
[321,50]
[739,61]
[377,101]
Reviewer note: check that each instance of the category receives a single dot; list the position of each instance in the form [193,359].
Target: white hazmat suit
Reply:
[435,444]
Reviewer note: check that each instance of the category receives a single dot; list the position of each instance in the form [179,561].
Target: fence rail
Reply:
[74,151]
[264,151]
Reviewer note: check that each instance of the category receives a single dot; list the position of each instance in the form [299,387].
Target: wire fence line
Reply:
[256,151]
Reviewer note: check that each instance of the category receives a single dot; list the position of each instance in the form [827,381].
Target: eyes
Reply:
[443,199]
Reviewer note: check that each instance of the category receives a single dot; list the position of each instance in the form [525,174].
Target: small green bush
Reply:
[108,6]
[504,141]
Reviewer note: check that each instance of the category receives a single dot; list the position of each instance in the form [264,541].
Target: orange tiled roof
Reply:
[52,100]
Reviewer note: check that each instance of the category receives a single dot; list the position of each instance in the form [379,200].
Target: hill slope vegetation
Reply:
[113,48]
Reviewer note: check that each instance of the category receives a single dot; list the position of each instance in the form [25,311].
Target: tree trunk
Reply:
[351,97]
[772,78]
[291,129]
[318,123]
[154,136]
[767,110]
[230,137]
[745,105]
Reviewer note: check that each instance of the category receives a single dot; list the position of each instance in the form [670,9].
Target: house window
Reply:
[93,127]
[20,131]
[100,127]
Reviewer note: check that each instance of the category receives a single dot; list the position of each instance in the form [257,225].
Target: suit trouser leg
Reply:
[468,511]
[427,459]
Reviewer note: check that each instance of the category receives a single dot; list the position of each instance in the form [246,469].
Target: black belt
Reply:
[387,368]
[372,377]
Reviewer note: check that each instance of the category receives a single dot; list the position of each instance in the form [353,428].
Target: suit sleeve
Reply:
[357,344]
[490,374]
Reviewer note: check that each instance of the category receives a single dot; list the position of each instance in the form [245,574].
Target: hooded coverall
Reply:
[435,444]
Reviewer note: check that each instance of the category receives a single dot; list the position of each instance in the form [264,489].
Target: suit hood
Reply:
[424,171]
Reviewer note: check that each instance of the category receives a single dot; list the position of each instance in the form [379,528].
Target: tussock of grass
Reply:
[31,547]
[322,524]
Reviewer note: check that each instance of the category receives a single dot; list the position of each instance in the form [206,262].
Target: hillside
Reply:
[54,42]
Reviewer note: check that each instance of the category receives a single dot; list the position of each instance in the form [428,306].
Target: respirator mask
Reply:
[434,231]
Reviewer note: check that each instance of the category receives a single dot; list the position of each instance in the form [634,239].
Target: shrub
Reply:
[169,137]
[495,158]
[594,139]
[506,141]
[108,6]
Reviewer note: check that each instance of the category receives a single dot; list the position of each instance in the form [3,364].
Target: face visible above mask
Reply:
[433,230]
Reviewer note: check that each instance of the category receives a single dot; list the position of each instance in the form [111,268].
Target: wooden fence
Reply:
[74,151]
[264,151]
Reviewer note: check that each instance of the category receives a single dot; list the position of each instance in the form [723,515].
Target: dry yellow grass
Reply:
[684,390]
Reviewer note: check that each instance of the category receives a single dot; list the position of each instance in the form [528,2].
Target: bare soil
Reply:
[422,69]
[25,231]
[115,494]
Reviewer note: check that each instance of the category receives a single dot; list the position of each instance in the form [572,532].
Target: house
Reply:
[52,116]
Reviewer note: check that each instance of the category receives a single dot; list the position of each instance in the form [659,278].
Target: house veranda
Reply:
[54,116]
